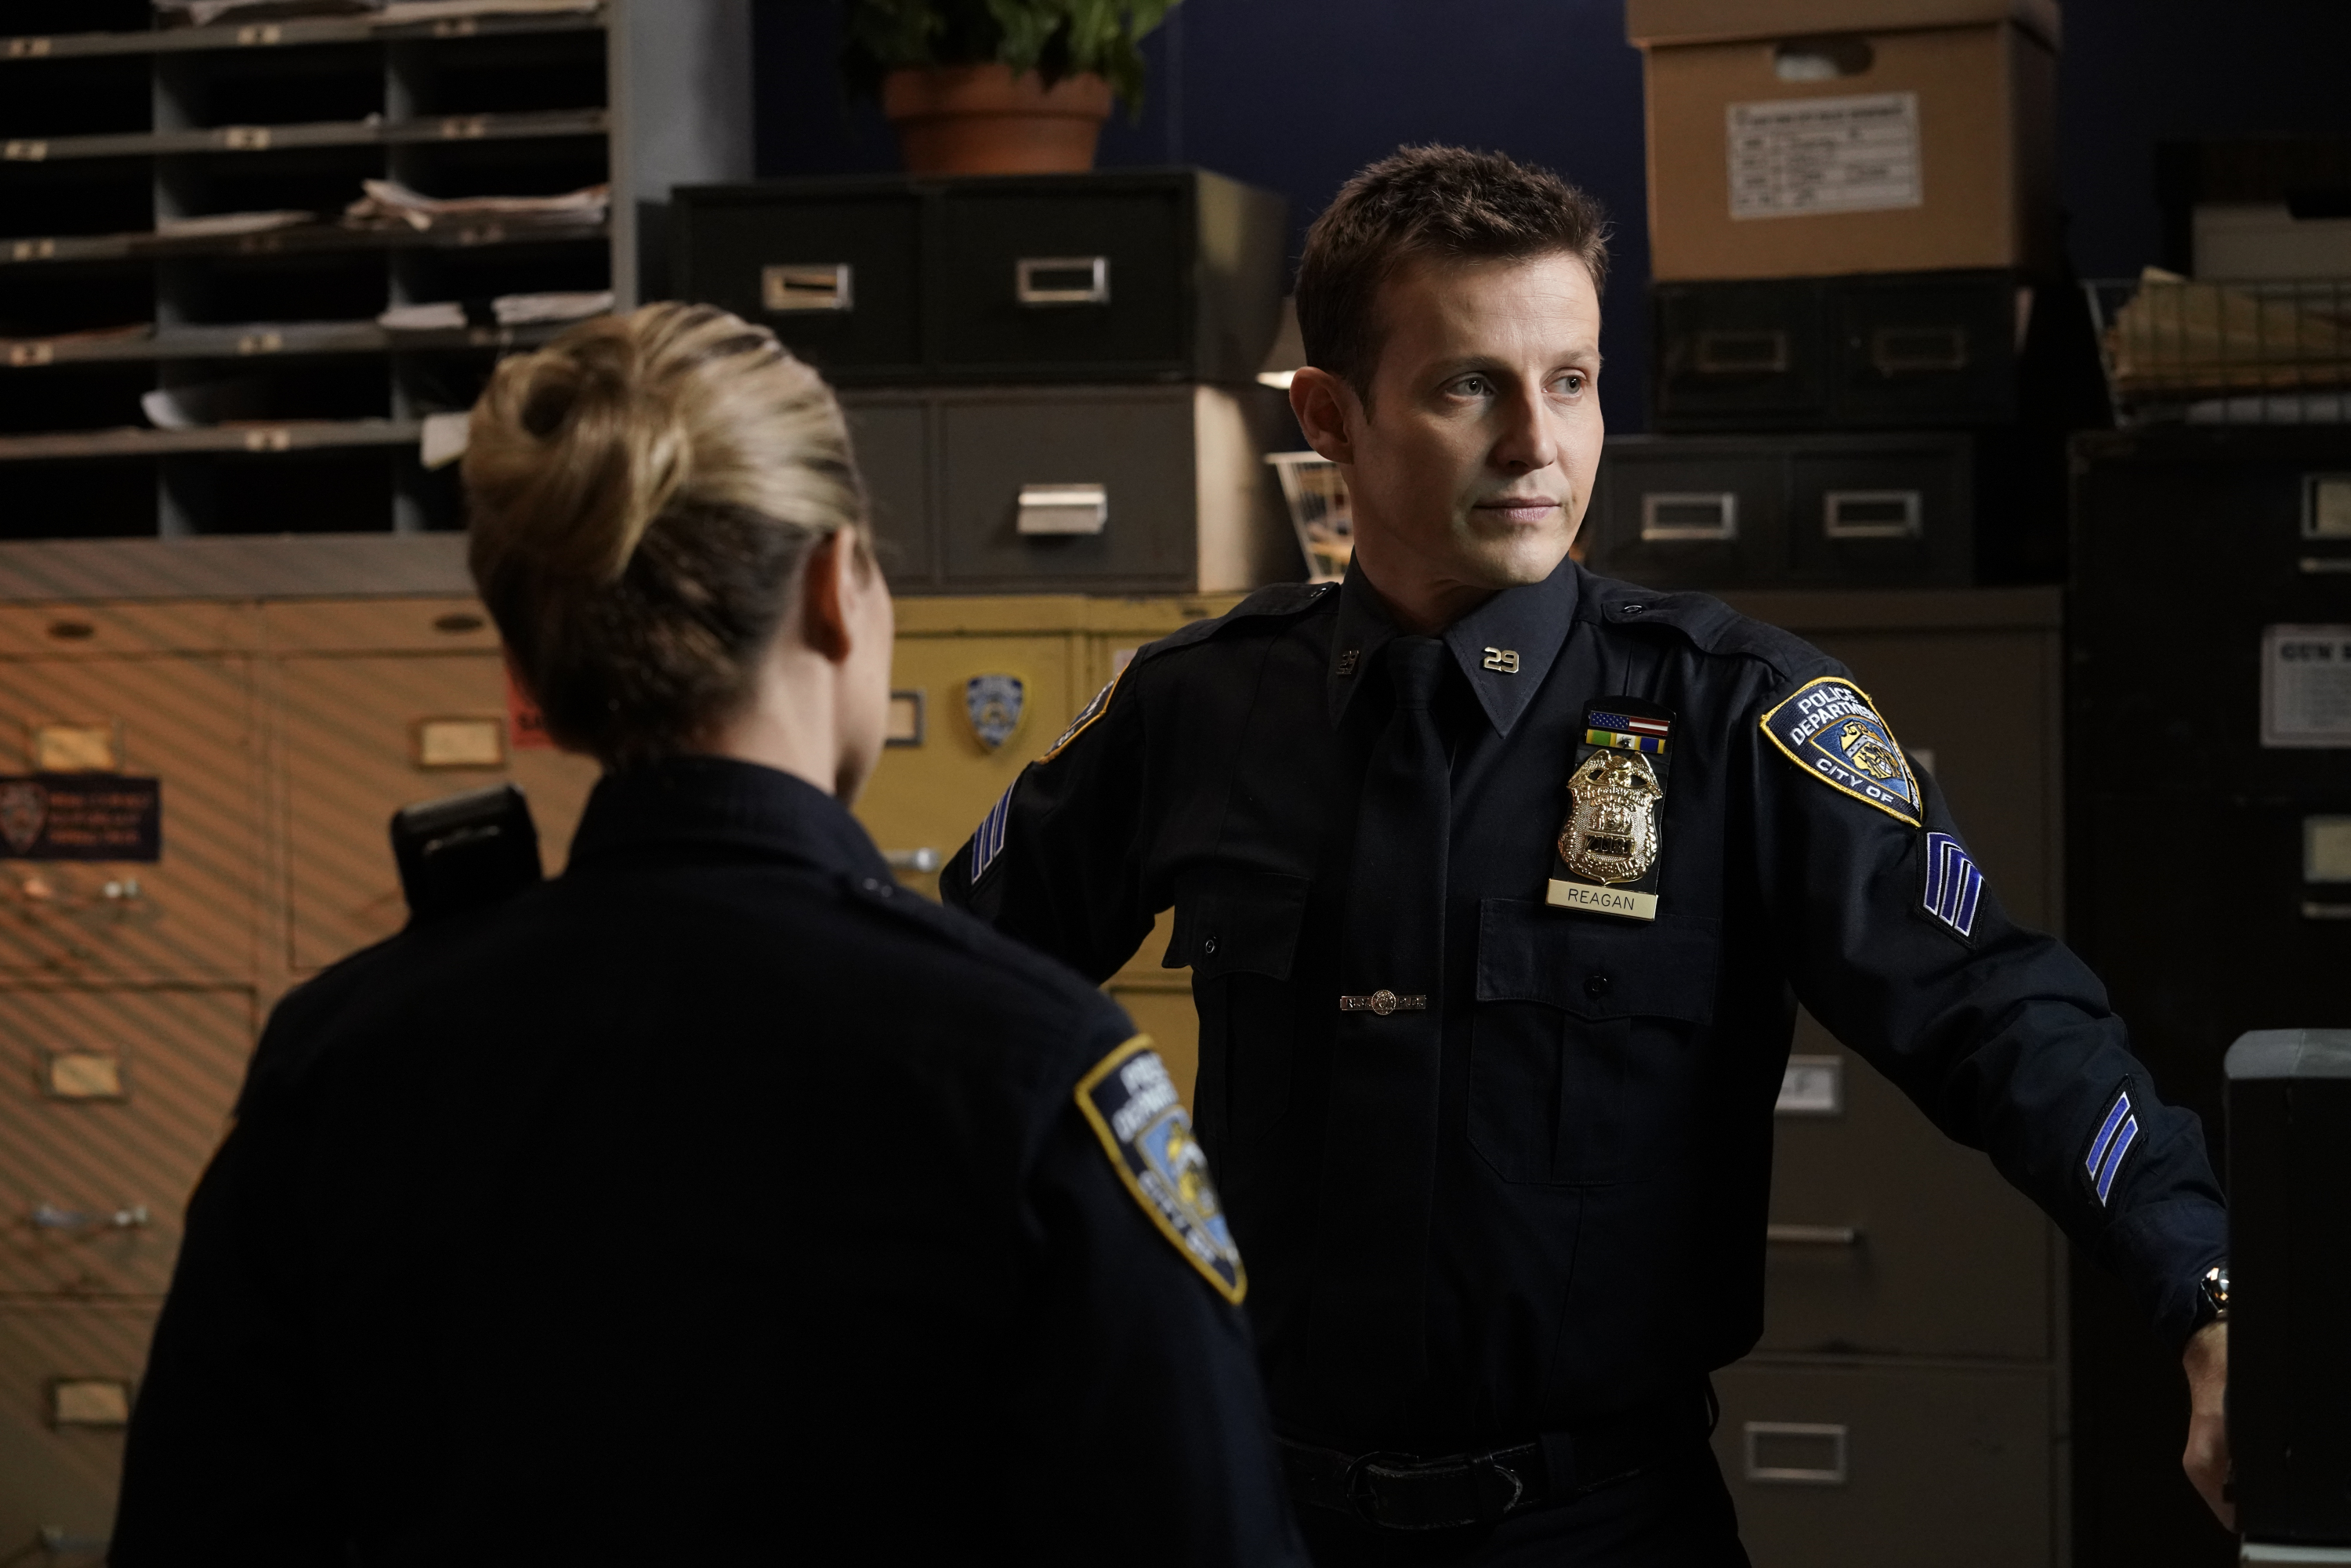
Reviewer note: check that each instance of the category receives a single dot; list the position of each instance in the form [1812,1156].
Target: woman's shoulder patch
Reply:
[1830,728]
[1131,1102]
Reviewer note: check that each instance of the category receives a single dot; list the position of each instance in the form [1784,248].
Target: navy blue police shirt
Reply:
[709,1202]
[1606,1091]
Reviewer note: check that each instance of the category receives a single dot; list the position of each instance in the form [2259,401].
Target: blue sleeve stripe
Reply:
[2115,1116]
[987,842]
[1954,885]
[2123,1141]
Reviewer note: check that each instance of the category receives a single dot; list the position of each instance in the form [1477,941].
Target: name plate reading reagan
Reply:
[1790,157]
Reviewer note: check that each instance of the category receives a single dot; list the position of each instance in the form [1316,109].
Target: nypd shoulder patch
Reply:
[1954,885]
[1132,1104]
[1831,729]
[1086,717]
[2118,1131]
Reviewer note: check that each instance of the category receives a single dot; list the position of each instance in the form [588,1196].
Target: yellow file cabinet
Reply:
[938,778]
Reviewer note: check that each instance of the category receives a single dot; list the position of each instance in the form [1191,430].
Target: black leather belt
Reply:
[1405,1492]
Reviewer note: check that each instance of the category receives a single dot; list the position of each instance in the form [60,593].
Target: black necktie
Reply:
[1379,1162]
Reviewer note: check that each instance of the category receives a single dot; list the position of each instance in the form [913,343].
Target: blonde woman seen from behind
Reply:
[713,1199]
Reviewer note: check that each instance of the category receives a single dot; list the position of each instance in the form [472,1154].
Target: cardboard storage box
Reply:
[1815,137]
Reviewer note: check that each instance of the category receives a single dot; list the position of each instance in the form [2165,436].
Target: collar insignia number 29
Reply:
[1131,1102]
[1830,728]
[994,704]
[1607,850]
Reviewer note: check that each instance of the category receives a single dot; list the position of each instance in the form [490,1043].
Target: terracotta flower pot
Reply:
[983,120]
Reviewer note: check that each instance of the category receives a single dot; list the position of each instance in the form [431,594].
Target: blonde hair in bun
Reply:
[641,495]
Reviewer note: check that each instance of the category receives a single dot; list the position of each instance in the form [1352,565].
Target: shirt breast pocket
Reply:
[1582,1053]
[1238,931]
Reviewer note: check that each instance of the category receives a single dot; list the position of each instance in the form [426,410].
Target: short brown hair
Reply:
[1439,202]
[642,494]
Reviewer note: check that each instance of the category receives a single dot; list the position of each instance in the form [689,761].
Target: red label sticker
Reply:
[526,724]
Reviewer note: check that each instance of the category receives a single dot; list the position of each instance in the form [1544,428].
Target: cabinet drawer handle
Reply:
[790,287]
[1062,280]
[1688,517]
[50,1217]
[1812,1234]
[924,861]
[1796,1453]
[1917,350]
[1053,510]
[1759,353]
[1873,514]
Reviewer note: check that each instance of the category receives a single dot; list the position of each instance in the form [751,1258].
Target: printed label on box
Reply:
[1790,157]
[2307,685]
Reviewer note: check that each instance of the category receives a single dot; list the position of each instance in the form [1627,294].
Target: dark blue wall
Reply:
[1297,94]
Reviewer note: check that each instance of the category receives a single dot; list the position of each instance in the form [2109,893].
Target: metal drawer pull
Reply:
[1062,280]
[1812,1086]
[1759,353]
[808,285]
[1047,509]
[1812,1234]
[1873,515]
[89,1402]
[1796,1453]
[1917,350]
[1678,518]
[49,1217]
[923,861]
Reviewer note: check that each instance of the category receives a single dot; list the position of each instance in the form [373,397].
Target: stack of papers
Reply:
[204,13]
[506,311]
[218,223]
[388,201]
[2177,335]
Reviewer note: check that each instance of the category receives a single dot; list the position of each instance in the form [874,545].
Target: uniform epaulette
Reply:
[1281,600]
[967,935]
[1710,626]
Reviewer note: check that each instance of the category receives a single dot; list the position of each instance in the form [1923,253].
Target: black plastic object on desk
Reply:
[2290,1289]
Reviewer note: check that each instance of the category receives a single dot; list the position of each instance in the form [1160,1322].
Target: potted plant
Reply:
[998,87]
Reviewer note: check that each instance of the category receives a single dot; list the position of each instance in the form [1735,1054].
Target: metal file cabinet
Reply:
[1907,1401]
[1719,512]
[1127,275]
[1886,350]
[1074,490]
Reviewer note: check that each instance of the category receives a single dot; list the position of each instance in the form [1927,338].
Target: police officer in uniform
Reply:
[714,1202]
[1500,881]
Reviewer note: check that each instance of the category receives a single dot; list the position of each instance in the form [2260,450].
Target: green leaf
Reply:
[1053,38]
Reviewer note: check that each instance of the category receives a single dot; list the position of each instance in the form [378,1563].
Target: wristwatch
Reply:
[2212,1296]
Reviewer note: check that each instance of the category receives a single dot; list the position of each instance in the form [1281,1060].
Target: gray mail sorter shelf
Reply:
[1897,350]
[306,413]
[1146,275]
[1073,490]
[1716,511]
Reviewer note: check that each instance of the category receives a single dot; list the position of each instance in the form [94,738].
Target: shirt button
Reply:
[1596,985]
[1207,947]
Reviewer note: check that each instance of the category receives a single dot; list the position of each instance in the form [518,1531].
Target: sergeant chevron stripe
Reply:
[2115,1135]
[987,842]
[1953,884]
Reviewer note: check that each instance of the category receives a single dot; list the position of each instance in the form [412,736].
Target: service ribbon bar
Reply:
[1623,740]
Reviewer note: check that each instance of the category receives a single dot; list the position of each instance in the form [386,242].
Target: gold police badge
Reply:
[1612,832]
[1608,846]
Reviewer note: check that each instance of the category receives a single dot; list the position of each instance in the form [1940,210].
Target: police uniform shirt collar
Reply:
[721,800]
[1504,647]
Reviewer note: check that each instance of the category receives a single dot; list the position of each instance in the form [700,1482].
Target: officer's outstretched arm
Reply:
[1058,860]
[1897,943]
[1139,1431]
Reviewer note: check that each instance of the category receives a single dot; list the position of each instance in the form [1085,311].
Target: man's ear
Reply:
[1325,405]
[824,621]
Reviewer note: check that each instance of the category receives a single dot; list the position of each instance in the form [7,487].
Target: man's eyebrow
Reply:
[1468,363]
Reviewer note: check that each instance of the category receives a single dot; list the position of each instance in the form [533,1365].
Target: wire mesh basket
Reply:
[2269,352]
[1317,493]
